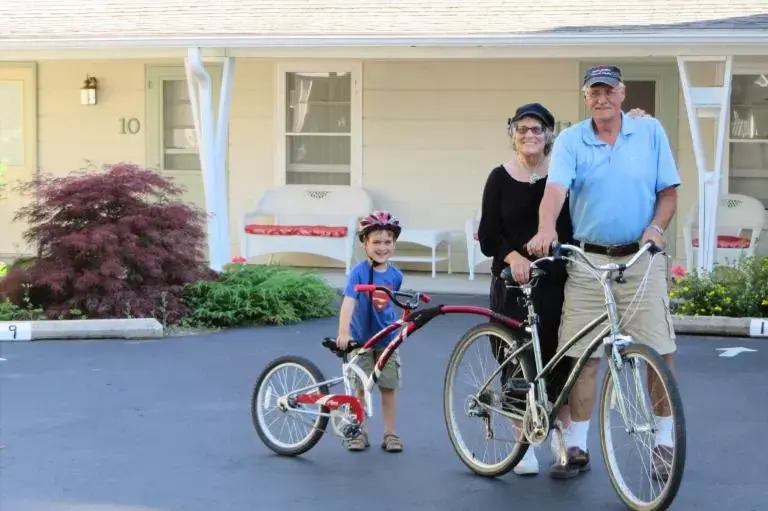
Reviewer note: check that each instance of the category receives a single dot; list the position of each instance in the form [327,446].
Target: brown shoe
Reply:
[577,462]
[662,462]
[392,443]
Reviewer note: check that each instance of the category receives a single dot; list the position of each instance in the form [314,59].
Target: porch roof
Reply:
[89,24]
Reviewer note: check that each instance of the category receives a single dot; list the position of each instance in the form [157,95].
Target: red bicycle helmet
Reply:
[378,219]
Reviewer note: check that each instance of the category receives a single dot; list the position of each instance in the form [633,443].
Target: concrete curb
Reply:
[139,328]
[721,326]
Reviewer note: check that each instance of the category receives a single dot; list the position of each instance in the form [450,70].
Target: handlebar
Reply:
[559,251]
[412,297]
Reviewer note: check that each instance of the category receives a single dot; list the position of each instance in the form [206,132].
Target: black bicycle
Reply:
[515,390]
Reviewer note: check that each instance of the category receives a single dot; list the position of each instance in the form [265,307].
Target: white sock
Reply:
[664,431]
[577,434]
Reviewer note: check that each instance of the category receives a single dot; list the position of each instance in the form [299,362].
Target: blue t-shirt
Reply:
[364,324]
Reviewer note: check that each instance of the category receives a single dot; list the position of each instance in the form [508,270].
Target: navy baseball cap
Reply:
[536,110]
[608,75]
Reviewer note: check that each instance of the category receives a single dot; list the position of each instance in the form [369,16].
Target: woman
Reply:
[509,218]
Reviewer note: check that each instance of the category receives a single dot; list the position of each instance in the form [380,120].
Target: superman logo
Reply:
[380,299]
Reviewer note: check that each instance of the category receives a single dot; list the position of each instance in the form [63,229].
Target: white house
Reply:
[407,101]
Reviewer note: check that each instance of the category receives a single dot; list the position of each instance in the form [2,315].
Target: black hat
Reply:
[535,110]
[608,75]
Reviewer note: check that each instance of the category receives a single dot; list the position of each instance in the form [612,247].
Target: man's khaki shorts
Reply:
[648,320]
[390,377]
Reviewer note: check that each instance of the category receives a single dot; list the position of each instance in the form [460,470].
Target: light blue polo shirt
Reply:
[613,188]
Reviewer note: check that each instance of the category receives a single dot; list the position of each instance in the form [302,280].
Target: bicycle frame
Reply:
[609,336]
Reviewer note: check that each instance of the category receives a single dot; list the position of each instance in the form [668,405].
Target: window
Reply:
[180,151]
[748,171]
[320,126]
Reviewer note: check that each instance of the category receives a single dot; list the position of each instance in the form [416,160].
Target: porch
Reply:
[423,281]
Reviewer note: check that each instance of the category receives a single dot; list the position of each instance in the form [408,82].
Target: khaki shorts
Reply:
[391,375]
[648,321]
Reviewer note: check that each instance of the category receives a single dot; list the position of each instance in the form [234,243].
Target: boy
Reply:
[364,314]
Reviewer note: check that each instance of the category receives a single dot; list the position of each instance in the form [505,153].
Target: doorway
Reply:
[18,151]
[656,89]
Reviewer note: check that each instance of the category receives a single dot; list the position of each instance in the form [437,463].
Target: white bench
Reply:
[306,219]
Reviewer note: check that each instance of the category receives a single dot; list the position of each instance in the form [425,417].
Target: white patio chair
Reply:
[474,255]
[735,214]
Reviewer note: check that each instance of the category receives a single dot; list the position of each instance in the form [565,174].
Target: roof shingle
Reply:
[30,20]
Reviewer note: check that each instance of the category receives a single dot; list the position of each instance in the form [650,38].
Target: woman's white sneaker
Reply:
[529,465]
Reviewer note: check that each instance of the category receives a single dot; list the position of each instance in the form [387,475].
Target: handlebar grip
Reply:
[506,273]
[365,288]
[653,248]
[554,250]
[425,297]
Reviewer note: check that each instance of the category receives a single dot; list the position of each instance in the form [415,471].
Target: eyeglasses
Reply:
[522,130]
[597,93]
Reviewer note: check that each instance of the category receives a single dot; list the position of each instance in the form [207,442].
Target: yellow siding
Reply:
[428,127]
[71,134]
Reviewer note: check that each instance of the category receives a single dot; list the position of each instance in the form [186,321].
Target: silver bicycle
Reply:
[515,390]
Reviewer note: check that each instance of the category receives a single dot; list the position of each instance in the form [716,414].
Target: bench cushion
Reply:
[325,231]
[725,241]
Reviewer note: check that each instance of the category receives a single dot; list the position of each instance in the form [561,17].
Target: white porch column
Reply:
[700,103]
[212,135]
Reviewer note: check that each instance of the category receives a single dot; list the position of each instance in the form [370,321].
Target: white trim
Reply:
[666,37]
[612,50]
[355,68]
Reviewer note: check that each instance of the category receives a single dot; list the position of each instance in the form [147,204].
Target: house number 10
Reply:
[130,126]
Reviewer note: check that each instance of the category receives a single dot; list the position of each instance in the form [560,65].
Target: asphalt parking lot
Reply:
[165,426]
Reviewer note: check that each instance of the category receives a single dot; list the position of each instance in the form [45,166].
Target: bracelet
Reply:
[657,229]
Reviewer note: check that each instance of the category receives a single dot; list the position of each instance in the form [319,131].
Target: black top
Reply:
[510,218]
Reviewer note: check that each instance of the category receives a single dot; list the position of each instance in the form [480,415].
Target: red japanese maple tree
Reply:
[111,244]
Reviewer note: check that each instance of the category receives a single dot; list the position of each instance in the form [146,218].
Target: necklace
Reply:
[534,176]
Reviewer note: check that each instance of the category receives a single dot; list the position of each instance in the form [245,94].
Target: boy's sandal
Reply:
[358,443]
[392,443]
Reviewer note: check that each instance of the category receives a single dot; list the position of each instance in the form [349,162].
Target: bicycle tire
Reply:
[675,401]
[321,422]
[507,335]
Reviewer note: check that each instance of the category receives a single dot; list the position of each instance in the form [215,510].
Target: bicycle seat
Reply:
[330,343]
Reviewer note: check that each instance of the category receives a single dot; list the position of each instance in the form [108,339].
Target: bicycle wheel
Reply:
[265,394]
[639,422]
[488,337]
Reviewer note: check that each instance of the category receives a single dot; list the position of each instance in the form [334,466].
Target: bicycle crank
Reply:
[536,429]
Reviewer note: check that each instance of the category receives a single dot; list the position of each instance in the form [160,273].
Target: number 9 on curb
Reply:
[21,331]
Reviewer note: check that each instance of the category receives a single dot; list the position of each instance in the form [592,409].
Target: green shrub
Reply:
[738,291]
[11,312]
[3,269]
[258,295]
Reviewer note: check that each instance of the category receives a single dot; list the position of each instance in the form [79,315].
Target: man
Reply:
[622,181]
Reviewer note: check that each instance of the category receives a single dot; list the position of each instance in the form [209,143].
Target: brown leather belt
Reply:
[611,250]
